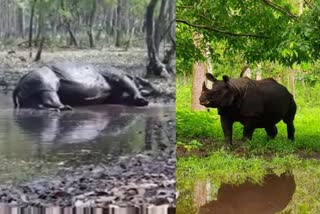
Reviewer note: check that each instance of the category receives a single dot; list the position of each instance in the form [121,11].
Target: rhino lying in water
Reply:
[62,85]
[255,104]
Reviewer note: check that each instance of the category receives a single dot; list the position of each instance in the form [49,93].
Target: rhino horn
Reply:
[204,87]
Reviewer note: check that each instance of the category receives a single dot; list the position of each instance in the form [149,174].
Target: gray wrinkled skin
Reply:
[66,84]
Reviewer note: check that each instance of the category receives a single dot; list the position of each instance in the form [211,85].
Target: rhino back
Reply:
[277,99]
[81,76]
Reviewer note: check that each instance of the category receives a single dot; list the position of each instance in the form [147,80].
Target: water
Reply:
[271,197]
[93,132]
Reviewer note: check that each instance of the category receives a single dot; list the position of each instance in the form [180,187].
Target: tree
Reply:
[153,39]
[75,23]
[259,30]
[33,6]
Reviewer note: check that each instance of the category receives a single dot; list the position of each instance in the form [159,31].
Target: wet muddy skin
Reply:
[102,155]
[271,197]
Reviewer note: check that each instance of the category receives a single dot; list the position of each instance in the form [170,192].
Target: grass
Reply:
[200,138]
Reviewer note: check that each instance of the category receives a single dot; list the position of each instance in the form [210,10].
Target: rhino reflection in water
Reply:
[73,127]
[272,197]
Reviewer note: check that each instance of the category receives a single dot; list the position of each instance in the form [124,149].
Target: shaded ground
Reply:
[141,179]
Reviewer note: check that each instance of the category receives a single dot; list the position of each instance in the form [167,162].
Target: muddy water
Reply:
[92,133]
[271,197]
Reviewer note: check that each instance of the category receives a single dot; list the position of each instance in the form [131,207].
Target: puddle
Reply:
[94,132]
[271,197]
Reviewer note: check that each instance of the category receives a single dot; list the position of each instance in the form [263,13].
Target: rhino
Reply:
[253,103]
[61,86]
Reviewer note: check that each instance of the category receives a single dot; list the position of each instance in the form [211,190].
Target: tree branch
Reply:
[308,3]
[210,28]
[280,9]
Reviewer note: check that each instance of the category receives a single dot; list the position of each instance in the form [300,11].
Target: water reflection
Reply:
[105,129]
[73,126]
[247,198]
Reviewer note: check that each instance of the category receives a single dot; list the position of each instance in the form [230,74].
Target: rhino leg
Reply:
[290,130]
[227,125]
[51,100]
[288,119]
[272,131]
[247,132]
[130,87]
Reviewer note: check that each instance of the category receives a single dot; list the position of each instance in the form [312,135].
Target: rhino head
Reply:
[222,93]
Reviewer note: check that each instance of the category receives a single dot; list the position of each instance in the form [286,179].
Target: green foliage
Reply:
[253,29]
[187,52]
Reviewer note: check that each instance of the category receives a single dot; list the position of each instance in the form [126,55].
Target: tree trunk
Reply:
[40,27]
[246,72]
[172,17]
[31,24]
[160,25]
[20,22]
[38,55]
[305,89]
[91,22]
[292,82]
[155,66]
[259,72]
[199,69]
[125,20]
[198,77]
[73,40]
[118,24]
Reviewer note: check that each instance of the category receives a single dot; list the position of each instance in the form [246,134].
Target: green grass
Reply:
[251,160]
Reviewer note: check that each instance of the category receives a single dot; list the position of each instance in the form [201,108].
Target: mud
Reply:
[138,180]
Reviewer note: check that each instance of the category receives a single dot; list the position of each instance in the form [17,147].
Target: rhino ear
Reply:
[225,78]
[204,87]
[211,77]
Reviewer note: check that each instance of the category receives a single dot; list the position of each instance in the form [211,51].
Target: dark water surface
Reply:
[271,197]
[88,133]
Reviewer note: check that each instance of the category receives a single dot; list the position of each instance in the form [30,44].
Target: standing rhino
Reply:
[62,85]
[255,104]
